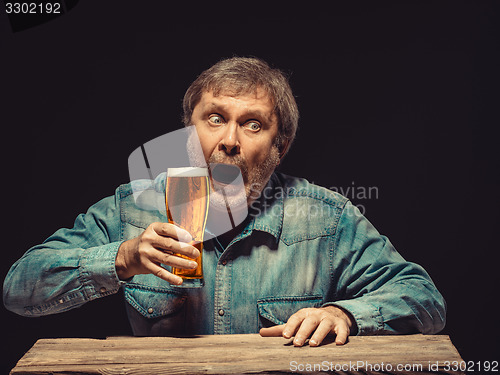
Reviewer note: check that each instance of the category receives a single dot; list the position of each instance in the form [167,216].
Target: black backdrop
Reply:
[400,97]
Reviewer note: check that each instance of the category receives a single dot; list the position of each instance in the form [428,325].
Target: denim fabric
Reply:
[302,246]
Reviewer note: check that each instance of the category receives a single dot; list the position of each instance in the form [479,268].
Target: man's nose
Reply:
[230,143]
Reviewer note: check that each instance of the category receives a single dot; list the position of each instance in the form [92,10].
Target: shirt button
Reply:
[221,312]
[150,310]
[61,301]
[103,290]
[224,262]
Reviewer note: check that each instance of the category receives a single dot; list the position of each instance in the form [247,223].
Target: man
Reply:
[303,263]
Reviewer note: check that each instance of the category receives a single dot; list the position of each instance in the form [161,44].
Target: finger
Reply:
[162,273]
[172,260]
[171,230]
[272,331]
[293,324]
[172,245]
[342,331]
[307,327]
[324,328]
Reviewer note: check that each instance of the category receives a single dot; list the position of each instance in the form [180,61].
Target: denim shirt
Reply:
[304,246]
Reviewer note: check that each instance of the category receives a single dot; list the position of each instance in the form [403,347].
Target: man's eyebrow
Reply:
[251,113]
[212,106]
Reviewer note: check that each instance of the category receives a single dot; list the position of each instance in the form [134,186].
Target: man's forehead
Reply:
[257,94]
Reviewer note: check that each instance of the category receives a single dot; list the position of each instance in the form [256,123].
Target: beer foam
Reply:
[187,172]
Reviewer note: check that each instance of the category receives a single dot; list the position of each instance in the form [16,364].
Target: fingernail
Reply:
[313,343]
[298,342]
[193,264]
[286,334]
[184,235]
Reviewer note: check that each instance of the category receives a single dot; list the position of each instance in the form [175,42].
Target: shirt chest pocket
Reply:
[277,310]
[153,302]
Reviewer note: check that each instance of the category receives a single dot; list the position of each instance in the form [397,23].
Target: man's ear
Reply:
[284,148]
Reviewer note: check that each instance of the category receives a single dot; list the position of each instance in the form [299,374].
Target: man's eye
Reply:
[215,119]
[254,126]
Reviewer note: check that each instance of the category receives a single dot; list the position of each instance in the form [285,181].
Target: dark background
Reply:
[401,96]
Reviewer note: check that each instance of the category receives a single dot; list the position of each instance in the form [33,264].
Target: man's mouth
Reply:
[224,174]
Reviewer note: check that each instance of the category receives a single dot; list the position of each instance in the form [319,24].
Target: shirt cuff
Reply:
[97,270]
[367,317]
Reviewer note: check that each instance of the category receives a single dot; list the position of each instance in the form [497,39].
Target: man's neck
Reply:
[226,225]
[226,238]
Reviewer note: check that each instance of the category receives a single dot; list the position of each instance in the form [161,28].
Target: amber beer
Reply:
[187,199]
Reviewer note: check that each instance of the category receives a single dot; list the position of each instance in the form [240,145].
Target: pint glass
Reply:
[187,199]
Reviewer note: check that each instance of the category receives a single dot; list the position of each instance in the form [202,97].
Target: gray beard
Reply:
[243,191]
[239,194]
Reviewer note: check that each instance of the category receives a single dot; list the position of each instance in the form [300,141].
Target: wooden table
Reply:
[238,354]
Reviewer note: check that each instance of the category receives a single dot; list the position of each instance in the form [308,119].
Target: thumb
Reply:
[272,331]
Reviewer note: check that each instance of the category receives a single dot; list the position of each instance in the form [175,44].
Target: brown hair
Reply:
[242,75]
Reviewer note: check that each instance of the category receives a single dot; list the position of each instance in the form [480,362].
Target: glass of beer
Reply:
[187,199]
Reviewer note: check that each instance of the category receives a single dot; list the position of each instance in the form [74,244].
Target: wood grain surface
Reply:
[239,354]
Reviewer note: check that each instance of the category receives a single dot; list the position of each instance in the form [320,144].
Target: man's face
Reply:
[239,130]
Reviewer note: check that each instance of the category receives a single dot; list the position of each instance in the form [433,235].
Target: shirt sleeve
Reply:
[70,268]
[384,293]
